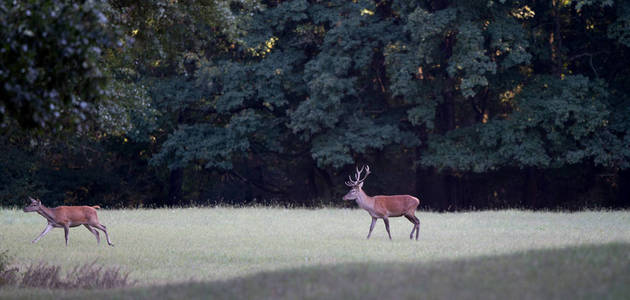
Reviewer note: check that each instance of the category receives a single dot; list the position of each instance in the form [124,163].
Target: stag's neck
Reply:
[366,202]
[47,213]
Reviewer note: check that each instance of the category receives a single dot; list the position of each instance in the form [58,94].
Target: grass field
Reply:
[298,253]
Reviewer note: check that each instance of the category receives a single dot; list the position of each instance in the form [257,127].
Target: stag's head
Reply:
[356,184]
[34,206]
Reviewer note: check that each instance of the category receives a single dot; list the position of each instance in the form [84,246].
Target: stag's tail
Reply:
[96,206]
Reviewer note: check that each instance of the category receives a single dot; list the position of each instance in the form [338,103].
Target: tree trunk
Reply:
[530,189]
[623,194]
[312,184]
[327,189]
[555,40]
[431,189]
[175,181]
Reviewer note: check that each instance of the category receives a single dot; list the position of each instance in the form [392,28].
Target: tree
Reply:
[49,62]
[546,117]
[468,86]
[466,104]
[298,86]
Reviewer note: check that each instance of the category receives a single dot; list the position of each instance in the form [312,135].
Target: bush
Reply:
[7,275]
[92,276]
[43,275]
[87,276]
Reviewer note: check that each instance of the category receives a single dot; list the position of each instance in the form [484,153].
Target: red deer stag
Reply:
[383,207]
[66,217]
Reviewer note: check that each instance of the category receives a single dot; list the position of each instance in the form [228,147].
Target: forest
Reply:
[481,104]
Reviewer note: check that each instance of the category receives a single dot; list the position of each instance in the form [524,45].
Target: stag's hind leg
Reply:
[386,220]
[412,219]
[93,231]
[104,229]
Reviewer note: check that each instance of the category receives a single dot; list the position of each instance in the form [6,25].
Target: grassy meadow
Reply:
[322,253]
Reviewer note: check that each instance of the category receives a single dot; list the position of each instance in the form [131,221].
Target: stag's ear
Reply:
[360,185]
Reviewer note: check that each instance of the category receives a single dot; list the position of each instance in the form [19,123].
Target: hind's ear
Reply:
[31,198]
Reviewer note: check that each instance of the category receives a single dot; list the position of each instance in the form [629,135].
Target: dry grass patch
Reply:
[86,276]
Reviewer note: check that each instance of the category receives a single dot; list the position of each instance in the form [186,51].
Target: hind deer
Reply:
[383,207]
[68,216]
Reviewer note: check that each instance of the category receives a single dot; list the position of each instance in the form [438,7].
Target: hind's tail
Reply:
[96,206]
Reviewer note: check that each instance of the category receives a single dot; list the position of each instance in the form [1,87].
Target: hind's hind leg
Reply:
[417,226]
[104,229]
[93,231]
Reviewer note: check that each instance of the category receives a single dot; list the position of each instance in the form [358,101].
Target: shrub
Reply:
[7,275]
[43,275]
[92,276]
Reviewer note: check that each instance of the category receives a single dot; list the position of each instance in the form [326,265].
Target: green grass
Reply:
[298,253]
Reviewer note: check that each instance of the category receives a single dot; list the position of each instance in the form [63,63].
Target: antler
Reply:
[357,180]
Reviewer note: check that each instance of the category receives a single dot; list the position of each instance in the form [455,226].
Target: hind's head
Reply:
[34,206]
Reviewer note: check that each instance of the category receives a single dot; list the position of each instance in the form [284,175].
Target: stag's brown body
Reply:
[68,216]
[383,207]
[394,205]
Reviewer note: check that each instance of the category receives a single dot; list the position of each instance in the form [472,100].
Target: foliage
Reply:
[276,101]
[105,171]
[256,101]
[555,123]
[49,62]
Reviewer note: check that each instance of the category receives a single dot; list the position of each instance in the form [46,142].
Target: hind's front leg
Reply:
[46,230]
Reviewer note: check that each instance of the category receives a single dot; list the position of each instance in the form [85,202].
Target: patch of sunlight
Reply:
[523,13]
[264,48]
[366,12]
[509,95]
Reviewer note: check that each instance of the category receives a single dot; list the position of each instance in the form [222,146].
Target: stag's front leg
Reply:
[46,230]
[371,227]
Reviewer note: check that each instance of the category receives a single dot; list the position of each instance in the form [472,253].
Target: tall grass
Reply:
[86,276]
[170,246]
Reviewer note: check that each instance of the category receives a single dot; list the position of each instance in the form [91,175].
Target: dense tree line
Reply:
[465,104]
